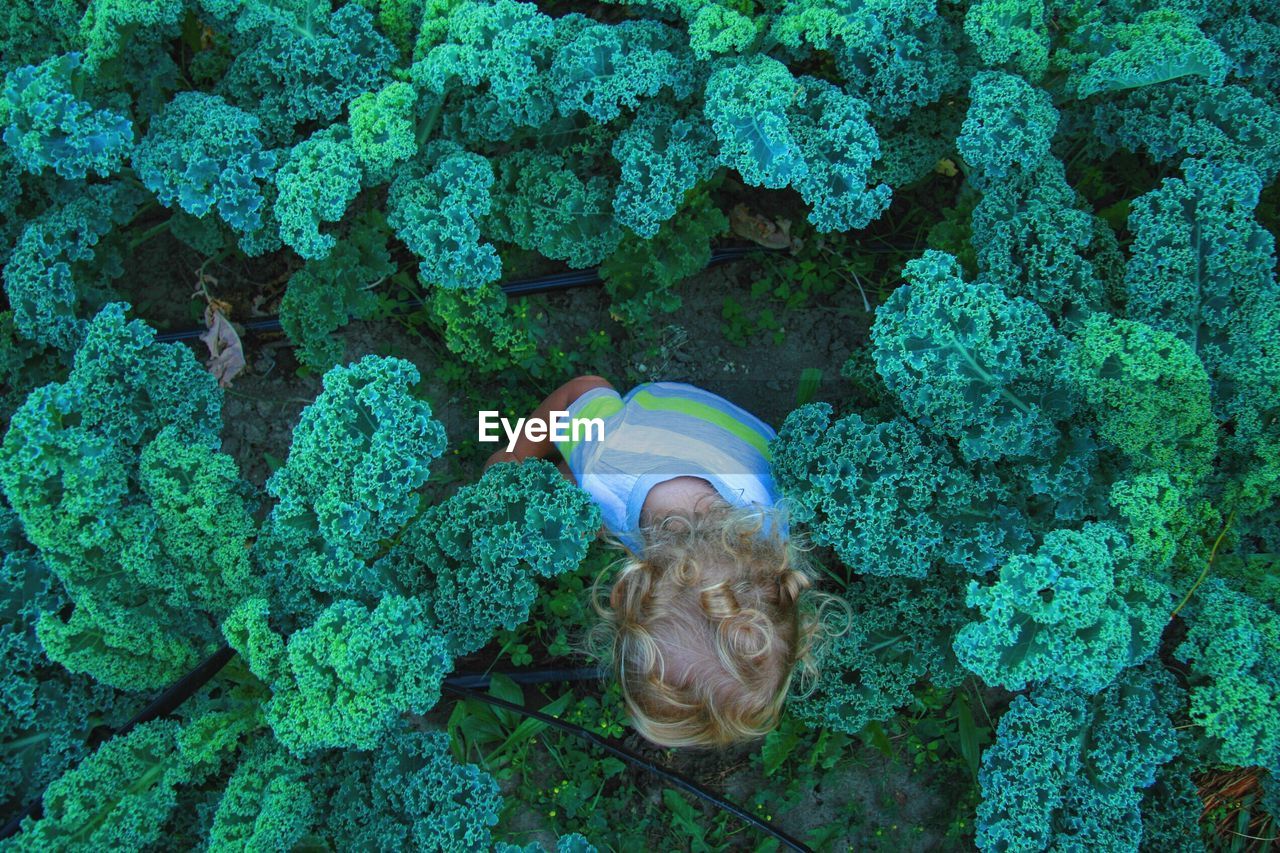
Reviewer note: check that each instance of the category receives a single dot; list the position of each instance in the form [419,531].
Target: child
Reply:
[704,625]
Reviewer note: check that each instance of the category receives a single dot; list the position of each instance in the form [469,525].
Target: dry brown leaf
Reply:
[226,353]
[758,229]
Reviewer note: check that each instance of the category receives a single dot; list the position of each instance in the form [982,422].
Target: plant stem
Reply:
[987,377]
[1208,563]
[429,123]
[154,231]
[15,745]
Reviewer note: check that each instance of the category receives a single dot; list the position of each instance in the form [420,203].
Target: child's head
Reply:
[705,629]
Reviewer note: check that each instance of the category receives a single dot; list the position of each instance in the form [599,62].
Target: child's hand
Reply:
[500,456]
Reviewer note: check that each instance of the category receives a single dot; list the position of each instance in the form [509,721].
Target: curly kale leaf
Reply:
[1166,519]
[1073,614]
[1008,127]
[1271,793]
[51,125]
[122,391]
[885,496]
[663,155]
[746,103]
[383,129]
[127,46]
[970,362]
[898,55]
[1198,254]
[1150,395]
[602,68]
[1064,485]
[1067,769]
[248,630]
[69,464]
[112,28]
[1012,34]
[324,296]
[1233,650]
[410,794]
[46,713]
[201,152]
[120,797]
[478,553]
[32,31]
[838,145]
[1249,389]
[716,29]
[291,68]
[480,327]
[317,179]
[778,130]
[913,149]
[501,52]
[437,213]
[1157,46]
[61,263]
[268,803]
[359,454]
[129,387]
[901,633]
[1034,236]
[1203,269]
[1171,811]
[1224,124]
[204,515]
[542,202]
[352,672]
[573,842]
[1253,47]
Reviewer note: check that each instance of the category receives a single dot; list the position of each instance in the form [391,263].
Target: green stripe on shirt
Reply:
[721,419]
[601,407]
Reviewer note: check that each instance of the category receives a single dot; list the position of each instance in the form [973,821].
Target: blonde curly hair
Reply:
[706,628]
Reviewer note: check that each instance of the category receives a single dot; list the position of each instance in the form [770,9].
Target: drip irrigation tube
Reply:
[173,696]
[521,287]
[466,684]
[679,780]
[480,681]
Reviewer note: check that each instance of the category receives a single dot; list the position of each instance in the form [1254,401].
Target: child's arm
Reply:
[557,401]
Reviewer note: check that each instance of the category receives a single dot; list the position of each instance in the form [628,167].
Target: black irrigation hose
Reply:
[183,689]
[679,780]
[522,287]
[480,681]
[525,287]
[173,696]
[464,684]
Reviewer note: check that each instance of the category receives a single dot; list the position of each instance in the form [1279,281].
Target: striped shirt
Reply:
[663,430]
